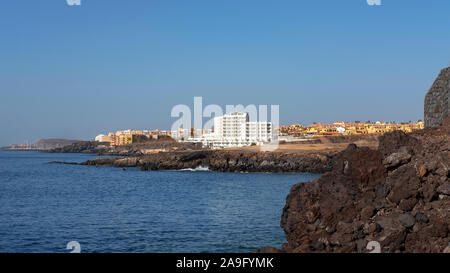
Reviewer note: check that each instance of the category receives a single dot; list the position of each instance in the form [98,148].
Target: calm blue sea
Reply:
[44,206]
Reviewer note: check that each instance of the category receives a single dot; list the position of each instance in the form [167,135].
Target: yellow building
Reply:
[125,139]
[356,128]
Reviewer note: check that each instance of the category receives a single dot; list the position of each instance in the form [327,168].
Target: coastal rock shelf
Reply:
[398,196]
[224,161]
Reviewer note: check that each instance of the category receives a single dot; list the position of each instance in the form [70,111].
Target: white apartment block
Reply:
[235,130]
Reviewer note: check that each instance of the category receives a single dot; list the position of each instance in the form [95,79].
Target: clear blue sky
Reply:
[76,71]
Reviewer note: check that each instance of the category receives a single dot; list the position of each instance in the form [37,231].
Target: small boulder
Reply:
[406,220]
[330,229]
[447,249]
[367,213]
[317,245]
[422,171]
[421,218]
[405,184]
[396,159]
[373,228]
[407,204]
[267,249]
[382,191]
[429,192]
[444,189]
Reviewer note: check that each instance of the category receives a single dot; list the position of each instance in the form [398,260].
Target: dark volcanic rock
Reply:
[408,204]
[437,106]
[444,189]
[224,161]
[86,147]
[267,249]
[406,220]
[367,212]
[64,162]
[421,218]
[135,149]
[396,195]
[404,184]
[396,159]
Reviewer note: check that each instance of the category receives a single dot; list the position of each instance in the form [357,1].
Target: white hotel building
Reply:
[235,130]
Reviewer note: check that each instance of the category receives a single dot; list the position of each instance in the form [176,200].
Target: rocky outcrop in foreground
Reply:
[224,161]
[437,104]
[398,195]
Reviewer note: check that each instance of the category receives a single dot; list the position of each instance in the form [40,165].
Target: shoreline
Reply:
[7,149]
[221,161]
[397,195]
[314,157]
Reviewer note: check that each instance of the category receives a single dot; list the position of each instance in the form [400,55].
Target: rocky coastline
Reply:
[313,157]
[138,149]
[397,196]
[223,161]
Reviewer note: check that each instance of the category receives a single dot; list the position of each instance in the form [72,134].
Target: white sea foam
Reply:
[200,168]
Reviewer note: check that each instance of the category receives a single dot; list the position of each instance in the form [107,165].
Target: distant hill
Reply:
[51,143]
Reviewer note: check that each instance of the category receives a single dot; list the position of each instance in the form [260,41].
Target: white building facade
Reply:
[235,130]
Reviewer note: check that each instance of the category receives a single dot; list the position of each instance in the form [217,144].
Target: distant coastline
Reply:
[23,149]
[41,145]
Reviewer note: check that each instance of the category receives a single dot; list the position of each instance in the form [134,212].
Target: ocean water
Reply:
[44,206]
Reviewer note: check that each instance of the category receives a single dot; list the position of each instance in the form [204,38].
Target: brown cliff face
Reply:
[398,195]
